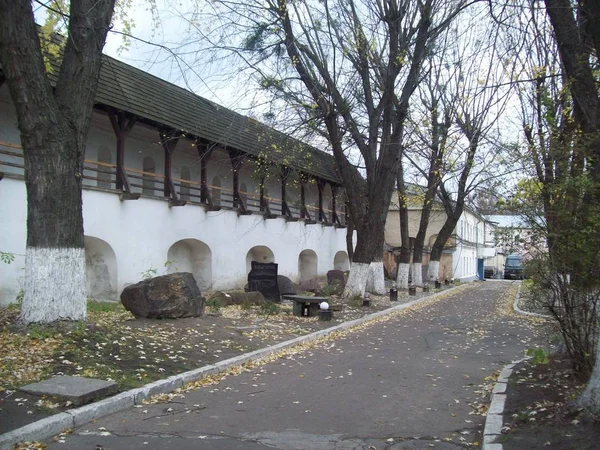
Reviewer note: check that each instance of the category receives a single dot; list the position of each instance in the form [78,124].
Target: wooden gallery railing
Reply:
[103,175]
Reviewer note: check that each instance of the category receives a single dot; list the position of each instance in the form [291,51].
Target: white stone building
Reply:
[465,251]
[174,182]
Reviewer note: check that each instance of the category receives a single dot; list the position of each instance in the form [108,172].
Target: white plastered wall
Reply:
[141,232]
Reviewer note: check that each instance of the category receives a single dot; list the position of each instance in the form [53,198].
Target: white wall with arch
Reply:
[100,269]
[194,256]
[341,261]
[308,263]
[259,253]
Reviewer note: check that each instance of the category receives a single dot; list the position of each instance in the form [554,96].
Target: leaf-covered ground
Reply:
[113,345]
[540,413]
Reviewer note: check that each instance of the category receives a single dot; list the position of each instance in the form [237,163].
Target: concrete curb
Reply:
[53,425]
[494,417]
[495,414]
[526,313]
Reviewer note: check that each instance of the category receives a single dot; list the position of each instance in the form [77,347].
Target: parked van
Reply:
[513,267]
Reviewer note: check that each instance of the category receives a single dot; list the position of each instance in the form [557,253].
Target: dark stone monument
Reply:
[263,278]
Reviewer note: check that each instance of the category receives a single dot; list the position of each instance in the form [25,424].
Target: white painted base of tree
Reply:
[402,278]
[433,271]
[417,274]
[357,280]
[590,399]
[376,280]
[54,287]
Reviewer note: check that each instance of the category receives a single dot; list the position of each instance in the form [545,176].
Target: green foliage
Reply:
[269,309]
[539,356]
[149,273]
[214,305]
[153,271]
[246,305]
[94,306]
[7,257]
[329,290]
[355,301]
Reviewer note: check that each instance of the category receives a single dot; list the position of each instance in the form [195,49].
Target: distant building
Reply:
[174,182]
[464,253]
[513,235]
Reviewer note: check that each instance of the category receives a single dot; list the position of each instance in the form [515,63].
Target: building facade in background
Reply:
[465,252]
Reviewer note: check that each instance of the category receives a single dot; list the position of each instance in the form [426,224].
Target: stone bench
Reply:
[305,306]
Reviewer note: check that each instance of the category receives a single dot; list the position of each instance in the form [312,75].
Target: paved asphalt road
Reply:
[410,382]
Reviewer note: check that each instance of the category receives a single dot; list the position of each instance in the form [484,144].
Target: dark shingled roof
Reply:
[132,90]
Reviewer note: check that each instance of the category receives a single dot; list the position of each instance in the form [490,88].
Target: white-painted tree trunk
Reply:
[54,287]
[357,280]
[433,271]
[376,280]
[417,274]
[402,277]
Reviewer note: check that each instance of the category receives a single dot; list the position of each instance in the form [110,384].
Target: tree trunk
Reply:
[440,241]
[404,263]
[349,237]
[369,249]
[54,285]
[53,126]
[433,271]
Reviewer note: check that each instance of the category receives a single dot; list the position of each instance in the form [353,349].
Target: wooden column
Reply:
[122,124]
[264,203]
[169,139]
[334,217]
[304,213]
[320,186]
[237,159]
[204,151]
[285,208]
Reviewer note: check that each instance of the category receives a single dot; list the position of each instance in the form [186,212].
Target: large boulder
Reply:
[165,297]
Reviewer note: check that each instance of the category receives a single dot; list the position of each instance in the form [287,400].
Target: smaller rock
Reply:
[337,280]
[237,298]
[286,286]
[313,286]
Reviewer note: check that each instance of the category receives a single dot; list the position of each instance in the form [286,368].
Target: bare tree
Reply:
[558,90]
[349,69]
[53,122]
[431,130]
[463,103]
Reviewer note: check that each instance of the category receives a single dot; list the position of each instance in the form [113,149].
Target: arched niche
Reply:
[341,261]
[260,253]
[101,269]
[104,172]
[149,168]
[194,256]
[307,265]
